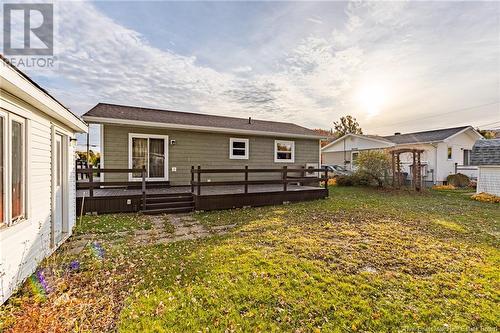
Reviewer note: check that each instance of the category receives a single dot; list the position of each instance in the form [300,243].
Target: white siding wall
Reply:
[489,180]
[457,144]
[24,244]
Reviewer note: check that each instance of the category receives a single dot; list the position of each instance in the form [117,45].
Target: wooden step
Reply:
[168,199]
[176,204]
[167,210]
[167,195]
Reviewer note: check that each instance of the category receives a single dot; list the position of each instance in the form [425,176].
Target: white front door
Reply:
[58,179]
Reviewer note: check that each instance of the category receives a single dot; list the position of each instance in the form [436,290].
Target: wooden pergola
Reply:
[397,178]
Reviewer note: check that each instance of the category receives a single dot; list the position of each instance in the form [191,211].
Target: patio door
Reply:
[59,187]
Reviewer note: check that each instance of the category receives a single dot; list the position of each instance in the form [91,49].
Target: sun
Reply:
[371,99]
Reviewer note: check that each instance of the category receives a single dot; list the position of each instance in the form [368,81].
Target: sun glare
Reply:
[371,99]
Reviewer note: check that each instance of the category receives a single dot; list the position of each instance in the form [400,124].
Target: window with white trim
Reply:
[284,151]
[12,168]
[449,153]
[149,151]
[2,170]
[238,149]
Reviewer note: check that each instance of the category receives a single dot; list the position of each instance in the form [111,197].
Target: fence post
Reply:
[456,168]
[198,189]
[91,181]
[192,178]
[326,177]
[246,179]
[285,176]
[143,176]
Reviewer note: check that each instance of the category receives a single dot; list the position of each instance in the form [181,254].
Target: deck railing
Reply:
[284,179]
[91,185]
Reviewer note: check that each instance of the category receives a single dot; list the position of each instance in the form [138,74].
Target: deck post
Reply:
[192,178]
[246,179]
[326,177]
[143,176]
[91,180]
[414,171]
[285,176]
[198,188]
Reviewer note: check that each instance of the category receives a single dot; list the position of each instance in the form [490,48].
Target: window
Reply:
[467,153]
[354,157]
[238,149]
[2,171]
[17,168]
[284,151]
[12,168]
[148,151]
[449,153]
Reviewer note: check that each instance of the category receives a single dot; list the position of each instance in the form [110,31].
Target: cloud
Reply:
[314,20]
[428,58]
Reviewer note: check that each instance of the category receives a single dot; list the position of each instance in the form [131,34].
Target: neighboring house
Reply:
[446,151]
[168,143]
[486,155]
[37,184]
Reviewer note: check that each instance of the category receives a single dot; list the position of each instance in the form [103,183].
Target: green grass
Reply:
[111,223]
[361,260]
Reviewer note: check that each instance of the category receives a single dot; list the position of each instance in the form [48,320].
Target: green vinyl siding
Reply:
[209,150]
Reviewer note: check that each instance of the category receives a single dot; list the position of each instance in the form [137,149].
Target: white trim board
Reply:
[18,85]
[139,123]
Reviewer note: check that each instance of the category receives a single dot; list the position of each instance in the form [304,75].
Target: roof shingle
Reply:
[426,136]
[114,111]
[486,152]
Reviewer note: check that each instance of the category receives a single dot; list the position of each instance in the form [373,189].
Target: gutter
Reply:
[140,123]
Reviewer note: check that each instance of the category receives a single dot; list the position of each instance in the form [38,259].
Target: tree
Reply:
[488,134]
[346,125]
[94,157]
[328,134]
[374,164]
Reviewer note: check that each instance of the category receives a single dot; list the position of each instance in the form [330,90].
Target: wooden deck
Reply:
[206,190]
[159,197]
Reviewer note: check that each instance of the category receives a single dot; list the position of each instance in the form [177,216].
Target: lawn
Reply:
[361,260]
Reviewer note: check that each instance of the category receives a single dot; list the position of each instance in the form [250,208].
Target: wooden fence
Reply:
[284,179]
[91,185]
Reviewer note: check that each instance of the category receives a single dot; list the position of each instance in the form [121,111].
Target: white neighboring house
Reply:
[486,155]
[37,176]
[446,151]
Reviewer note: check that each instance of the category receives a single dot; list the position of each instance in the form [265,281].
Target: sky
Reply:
[395,66]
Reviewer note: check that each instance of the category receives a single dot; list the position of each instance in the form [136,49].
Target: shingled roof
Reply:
[486,152]
[426,136]
[103,112]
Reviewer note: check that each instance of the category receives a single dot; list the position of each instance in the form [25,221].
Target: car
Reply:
[337,170]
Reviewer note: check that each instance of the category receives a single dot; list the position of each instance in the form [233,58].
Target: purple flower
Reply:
[74,265]
[41,279]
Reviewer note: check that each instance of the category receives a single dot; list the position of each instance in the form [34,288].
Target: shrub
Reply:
[486,197]
[443,187]
[373,166]
[346,180]
[458,180]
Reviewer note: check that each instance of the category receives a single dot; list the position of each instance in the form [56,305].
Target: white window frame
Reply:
[147,136]
[450,156]
[238,157]
[8,118]
[5,141]
[292,159]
